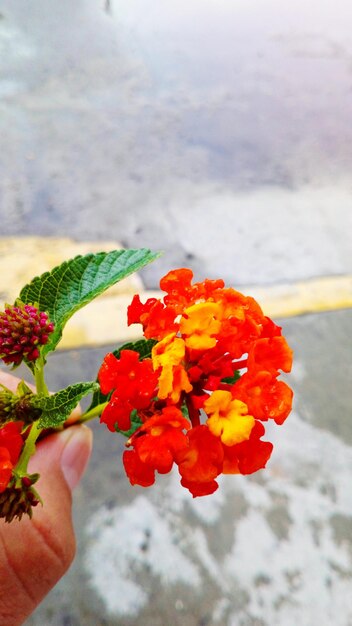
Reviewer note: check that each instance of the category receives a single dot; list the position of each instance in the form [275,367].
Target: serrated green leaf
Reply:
[73,284]
[142,346]
[57,407]
[144,349]
[136,422]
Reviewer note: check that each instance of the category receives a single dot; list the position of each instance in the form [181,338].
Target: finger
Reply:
[34,554]
[9,381]
[74,416]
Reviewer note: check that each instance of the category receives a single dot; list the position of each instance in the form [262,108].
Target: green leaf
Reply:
[142,346]
[232,379]
[73,284]
[144,349]
[184,410]
[57,407]
[136,422]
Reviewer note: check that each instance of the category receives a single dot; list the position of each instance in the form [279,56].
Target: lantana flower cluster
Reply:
[199,398]
[194,393]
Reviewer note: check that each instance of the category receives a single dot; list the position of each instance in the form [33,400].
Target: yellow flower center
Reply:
[168,354]
[201,325]
[228,418]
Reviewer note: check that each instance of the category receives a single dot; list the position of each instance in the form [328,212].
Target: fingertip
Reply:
[76,454]
[65,453]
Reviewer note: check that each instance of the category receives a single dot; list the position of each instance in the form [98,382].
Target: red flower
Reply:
[160,440]
[201,462]
[133,382]
[248,456]
[157,319]
[117,413]
[5,468]
[157,444]
[138,472]
[270,329]
[11,443]
[210,368]
[136,311]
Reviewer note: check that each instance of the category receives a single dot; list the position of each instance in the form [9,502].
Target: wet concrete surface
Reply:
[267,550]
[222,136]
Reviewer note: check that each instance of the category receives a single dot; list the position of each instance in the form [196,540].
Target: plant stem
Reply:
[39,378]
[28,449]
[95,412]
[35,430]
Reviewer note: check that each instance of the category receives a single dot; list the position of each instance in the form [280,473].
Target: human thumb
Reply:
[36,553]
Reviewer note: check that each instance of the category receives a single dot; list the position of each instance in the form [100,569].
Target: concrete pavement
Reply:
[220,133]
[265,550]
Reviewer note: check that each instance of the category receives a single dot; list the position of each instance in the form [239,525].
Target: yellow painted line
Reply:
[328,293]
[103,321]
[22,258]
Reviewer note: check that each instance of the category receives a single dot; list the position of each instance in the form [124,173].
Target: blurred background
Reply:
[218,131]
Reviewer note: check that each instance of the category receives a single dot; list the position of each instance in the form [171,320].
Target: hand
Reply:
[35,554]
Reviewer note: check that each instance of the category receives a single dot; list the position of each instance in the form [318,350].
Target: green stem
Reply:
[39,377]
[89,415]
[29,446]
[28,449]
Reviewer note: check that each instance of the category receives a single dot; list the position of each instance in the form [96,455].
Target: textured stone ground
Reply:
[266,550]
[219,133]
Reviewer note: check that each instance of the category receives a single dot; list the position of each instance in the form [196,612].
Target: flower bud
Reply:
[19,498]
[23,329]
[18,408]
[25,410]
[8,402]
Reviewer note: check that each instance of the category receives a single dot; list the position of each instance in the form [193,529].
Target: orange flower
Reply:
[179,288]
[265,396]
[271,353]
[167,357]
[217,358]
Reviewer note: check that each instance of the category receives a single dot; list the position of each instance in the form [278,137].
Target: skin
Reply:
[35,554]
